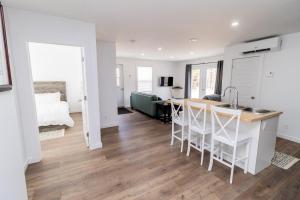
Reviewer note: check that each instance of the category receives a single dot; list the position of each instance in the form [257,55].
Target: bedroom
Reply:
[57,74]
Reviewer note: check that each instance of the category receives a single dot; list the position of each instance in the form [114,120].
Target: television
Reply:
[166,81]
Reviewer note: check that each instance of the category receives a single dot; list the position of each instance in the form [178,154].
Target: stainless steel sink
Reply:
[231,107]
[257,110]
[247,109]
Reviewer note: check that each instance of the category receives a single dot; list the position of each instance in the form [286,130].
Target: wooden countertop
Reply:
[246,116]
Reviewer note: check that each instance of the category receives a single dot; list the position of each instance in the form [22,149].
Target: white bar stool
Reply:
[228,136]
[178,117]
[198,127]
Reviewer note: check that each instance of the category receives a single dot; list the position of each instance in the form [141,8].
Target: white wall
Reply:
[12,181]
[159,68]
[50,62]
[106,52]
[281,92]
[25,26]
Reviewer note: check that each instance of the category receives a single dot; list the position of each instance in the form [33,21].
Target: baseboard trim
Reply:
[26,165]
[95,146]
[291,138]
[108,125]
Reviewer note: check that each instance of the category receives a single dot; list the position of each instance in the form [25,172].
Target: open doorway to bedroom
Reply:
[58,75]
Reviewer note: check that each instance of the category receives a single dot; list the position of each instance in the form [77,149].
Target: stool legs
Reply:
[189,143]
[172,139]
[182,138]
[202,148]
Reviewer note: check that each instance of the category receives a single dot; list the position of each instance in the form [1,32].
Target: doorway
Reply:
[58,74]
[246,77]
[203,80]
[120,85]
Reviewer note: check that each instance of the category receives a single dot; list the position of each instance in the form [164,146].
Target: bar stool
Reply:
[178,117]
[198,128]
[231,137]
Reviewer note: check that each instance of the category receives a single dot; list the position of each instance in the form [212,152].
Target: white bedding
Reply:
[53,113]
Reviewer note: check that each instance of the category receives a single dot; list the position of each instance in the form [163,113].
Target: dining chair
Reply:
[198,128]
[226,133]
[179,117]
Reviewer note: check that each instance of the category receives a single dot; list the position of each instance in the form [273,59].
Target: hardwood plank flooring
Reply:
[138,163]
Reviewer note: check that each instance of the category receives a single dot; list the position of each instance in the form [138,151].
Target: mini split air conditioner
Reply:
[271,44]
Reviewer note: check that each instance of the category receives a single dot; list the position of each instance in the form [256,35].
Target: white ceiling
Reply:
[171,23]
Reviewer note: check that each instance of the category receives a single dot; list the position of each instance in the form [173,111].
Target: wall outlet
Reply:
[284,128]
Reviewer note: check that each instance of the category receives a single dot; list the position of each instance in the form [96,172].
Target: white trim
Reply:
[97,145]
[291,138]
[26,164]
[109,125]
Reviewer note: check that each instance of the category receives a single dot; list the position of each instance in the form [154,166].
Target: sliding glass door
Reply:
[203,80]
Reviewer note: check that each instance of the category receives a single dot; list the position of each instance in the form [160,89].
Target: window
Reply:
[211,75]
[118,76]
[144,79]
[196,74]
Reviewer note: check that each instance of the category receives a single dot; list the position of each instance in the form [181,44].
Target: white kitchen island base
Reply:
[262,144]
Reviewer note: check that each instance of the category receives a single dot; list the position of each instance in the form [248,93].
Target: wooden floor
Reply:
[137,162]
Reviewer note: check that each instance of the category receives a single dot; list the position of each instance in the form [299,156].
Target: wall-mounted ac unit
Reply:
[271,44]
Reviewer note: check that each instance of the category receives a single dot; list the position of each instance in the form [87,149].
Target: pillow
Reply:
[43,98]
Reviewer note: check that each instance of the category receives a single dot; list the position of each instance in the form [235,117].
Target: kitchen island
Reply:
[263,129]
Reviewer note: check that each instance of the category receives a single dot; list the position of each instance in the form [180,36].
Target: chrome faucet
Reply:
[235,105]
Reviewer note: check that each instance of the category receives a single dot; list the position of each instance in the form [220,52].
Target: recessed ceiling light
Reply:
[159,48]
[193,40]
[172,57]
[235,23]
[192,53]
[142,54]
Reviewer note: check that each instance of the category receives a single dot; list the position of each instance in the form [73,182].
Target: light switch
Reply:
[270,74]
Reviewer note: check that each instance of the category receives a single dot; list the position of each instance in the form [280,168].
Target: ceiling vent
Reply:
[271,44]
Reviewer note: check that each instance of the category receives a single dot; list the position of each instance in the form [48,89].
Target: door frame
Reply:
[84,78]
[260,74]
[203,68]
[84,103]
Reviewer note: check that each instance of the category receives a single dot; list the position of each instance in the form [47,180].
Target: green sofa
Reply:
[145,103]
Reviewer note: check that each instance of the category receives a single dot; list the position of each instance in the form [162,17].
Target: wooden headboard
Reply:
[51,87]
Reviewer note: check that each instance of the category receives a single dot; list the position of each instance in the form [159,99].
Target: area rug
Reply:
[123,110]
[52,134]
[283,160]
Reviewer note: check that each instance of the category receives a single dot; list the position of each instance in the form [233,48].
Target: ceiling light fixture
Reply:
[142,54]
[193,40]
[235,23]
[192,53]
[159,48]
[172,57]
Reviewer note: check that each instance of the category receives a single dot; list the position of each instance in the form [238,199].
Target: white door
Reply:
[203,80]
[120,85]
[84,103]
[246,76]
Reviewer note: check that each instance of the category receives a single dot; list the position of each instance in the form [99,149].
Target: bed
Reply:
[51,106]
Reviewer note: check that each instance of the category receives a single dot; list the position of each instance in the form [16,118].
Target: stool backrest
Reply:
[216,113]
[197,114]
[177,105]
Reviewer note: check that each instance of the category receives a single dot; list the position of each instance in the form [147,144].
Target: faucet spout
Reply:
[236,104]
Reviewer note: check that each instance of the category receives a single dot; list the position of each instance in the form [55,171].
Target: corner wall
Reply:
[159,68]
[25,26]
[106,55]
